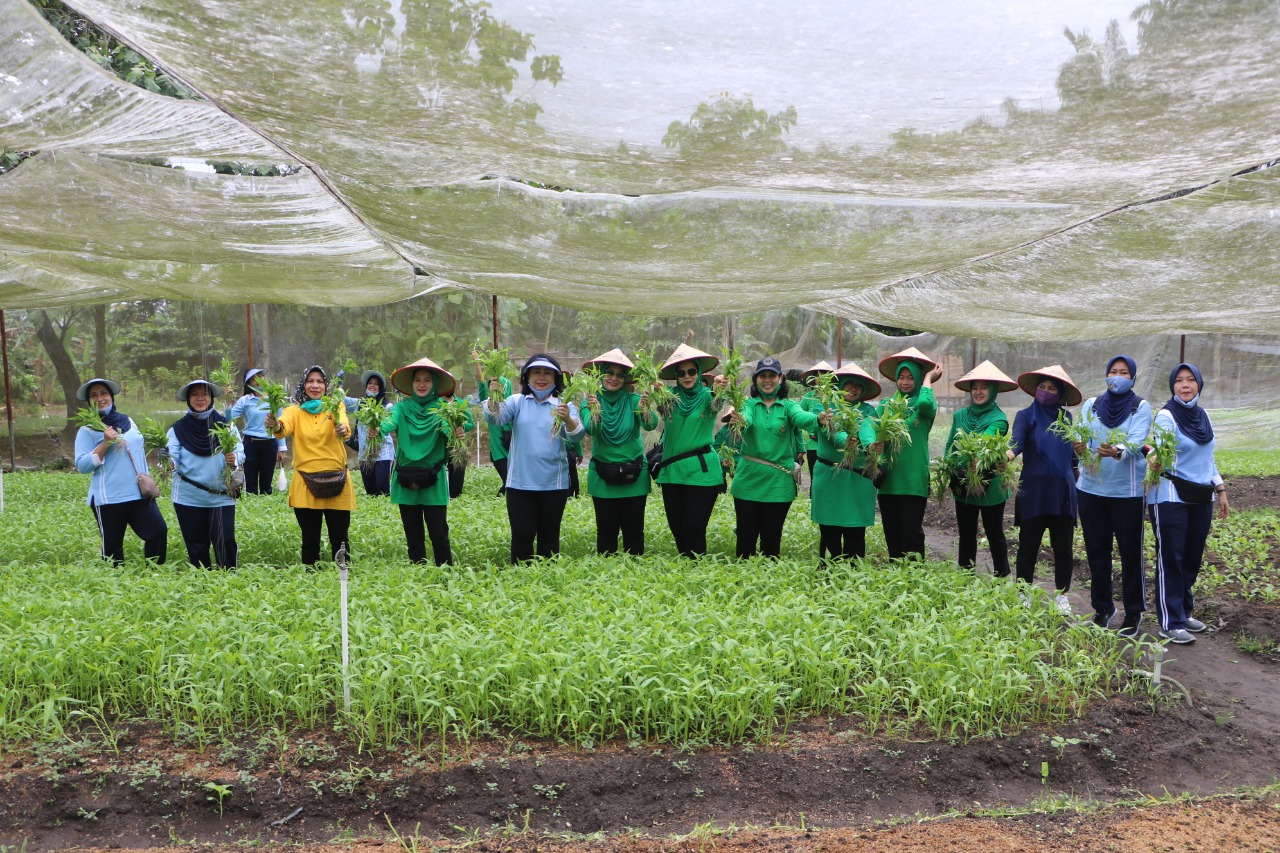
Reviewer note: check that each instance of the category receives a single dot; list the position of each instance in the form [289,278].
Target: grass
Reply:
[582,648]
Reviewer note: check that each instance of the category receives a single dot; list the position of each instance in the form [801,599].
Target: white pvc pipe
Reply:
[346,648]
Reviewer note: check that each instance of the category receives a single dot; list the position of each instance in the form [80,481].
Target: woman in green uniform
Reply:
[419,483]
[764,484]
[844,501]
[904,493]
[982,415]
[690,474]
[618,477]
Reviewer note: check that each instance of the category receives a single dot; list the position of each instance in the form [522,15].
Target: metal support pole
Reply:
[8,394]
[248,334]
[1182,350]
[495,321]
[839,340]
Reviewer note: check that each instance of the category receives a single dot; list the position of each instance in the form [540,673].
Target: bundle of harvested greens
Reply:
[846,416]
[225,376]
[583,384]
[227,441]
[645,376]
[975,459]
[453,416]
[494,363]
[892,433]
[154,437]
[1162,451]
[334,404]
[734,394]
[91,418]
[369,417]
[1077,433]
[274,394]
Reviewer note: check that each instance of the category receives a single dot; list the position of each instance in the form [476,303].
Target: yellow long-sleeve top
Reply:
[316,448]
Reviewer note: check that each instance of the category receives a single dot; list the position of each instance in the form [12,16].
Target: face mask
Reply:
[369,393]
[1187,404]
[1119,384]
[542,395]
[1046,398]
[111,407]
[204,416]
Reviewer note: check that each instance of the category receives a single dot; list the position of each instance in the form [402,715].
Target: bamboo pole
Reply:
[8,395]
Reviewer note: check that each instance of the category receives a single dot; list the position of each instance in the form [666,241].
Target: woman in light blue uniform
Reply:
[375,471]
[206,511]
[115,458]
[1181,505]
[1110,502]
[262,450]
[538,467]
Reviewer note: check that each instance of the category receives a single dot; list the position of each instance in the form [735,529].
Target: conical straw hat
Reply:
[890,365]
[989,373]
[613,356]
[1029,380]
[870,386]
[820,367]
[402,379]
[684,353]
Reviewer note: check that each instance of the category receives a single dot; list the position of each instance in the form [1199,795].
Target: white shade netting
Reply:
[964,169]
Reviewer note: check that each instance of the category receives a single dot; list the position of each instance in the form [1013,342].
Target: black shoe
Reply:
[1129,628]
[1103,620]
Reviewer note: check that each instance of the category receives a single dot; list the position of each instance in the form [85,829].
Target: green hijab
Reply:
[616,419]
[977,418]
[690,400]
[420,412]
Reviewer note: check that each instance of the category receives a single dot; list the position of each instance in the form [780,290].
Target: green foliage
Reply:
[582,646]
[455,415]
[225,376]
[644,374]
[89,417]
[975,459]
[892,433]
[1077,432]
[733,394]
[1164,452]
[275,395]
[1249,463]
[1241,561]
[728,127]
[105,50]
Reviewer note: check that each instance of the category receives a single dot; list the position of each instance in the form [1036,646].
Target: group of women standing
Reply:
[529,429]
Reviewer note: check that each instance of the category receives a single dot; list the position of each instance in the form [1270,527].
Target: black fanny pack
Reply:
[1189,491]
[619,473]
[417,476]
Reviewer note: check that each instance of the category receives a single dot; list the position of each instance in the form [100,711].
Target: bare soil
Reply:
[822,785]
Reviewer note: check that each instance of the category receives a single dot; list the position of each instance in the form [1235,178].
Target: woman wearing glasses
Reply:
[690,473]
[618,477]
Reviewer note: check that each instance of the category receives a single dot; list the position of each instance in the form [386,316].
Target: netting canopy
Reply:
[1033,170]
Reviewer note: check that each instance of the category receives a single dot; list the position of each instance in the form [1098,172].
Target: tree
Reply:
[728,127]
[53,337]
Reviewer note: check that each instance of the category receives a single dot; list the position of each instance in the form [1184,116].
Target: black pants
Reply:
[205,527]
[376,477]
[760,521]
[812,457]
[1181,531]
[837,542]
[259,464]
[993,524]
[422,521]
[457,477]
[574,485]
[902,517]
[688,510]
[535,516]
[310,520]
[625,515]
[500,465]
[143,516]
[1031,533]
[1102,521]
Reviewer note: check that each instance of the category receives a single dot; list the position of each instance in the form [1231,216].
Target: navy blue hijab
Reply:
[1192,420]
[1112,409]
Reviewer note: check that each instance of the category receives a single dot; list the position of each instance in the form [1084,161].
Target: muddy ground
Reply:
[822,785]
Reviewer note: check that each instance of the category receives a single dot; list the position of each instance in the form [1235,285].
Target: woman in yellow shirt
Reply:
[321,492]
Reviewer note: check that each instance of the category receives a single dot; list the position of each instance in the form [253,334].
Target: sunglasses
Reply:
[620,374]
[689,371]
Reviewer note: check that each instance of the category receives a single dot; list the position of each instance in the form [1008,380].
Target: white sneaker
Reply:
[1064,606]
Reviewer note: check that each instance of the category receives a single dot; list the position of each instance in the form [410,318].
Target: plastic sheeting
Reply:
[960,168]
